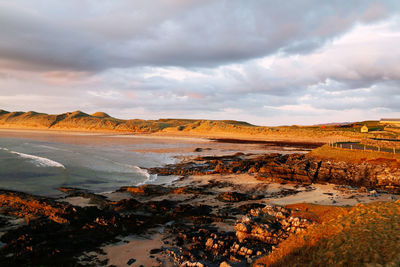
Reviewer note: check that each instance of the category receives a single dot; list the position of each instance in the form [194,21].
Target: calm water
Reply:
[40,167]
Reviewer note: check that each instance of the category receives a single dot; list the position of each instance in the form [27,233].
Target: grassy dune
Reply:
[365,235]
[100,121]
[81,121]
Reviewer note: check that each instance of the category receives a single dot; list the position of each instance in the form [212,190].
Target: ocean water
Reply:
[40,167]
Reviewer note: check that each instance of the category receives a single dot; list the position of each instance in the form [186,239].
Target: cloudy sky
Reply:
[266,62]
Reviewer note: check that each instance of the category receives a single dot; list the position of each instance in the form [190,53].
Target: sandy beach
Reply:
[176,145]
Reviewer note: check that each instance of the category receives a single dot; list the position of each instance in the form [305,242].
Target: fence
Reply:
[358,146]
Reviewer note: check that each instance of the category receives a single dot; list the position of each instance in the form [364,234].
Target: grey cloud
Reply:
[383,95]
[99,35]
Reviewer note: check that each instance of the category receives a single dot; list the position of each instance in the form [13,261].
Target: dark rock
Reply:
[237,197]
[126,205]
[232,197]
[131,261]
[99,200]
[155,251]
[146,190]
[247,207]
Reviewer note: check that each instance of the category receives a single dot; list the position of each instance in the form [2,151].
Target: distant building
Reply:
[364,129]
[386,121]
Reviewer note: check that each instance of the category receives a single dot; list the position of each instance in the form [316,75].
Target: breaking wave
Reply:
[150,178]
[38,161]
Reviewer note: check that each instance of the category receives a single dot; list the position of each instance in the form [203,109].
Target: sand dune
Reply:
[102,122]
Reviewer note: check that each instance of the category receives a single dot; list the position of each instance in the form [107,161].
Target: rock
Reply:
[99,200]
[363,189]
[58,231]
[146,190]
[271,225]
[232,197]
[126,204]
[155,251]
[297,168]
[131,261]
[192,264]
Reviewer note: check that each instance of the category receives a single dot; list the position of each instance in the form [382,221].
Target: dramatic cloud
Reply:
[260,61]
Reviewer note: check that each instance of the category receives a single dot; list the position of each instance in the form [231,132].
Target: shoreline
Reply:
[193,143]
[221,198]
[221,136]
[180,222]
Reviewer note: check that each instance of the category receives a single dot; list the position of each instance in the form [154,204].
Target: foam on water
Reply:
[38,161]
[150,178]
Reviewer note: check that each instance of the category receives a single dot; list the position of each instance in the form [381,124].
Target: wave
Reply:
[49,147]
[38,161]
[150,178]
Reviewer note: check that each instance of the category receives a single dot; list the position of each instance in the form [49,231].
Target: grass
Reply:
[355,156]
[317,213]
[100,121]
[365,235]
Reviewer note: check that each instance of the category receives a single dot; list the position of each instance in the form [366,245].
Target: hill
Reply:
[100,121]
[101,114]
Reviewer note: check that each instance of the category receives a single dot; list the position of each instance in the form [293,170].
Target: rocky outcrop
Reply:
[56,232]
[157,190]
[30,207]
[237,197]
[298,168]
[270,224]
[98,200]
[255,234]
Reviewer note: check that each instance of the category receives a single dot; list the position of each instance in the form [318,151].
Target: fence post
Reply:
[394,150]
[364,147]
[351,147]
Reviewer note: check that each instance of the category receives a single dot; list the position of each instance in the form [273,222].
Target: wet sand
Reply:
[179,146]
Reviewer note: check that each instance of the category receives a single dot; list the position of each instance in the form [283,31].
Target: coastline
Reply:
[172,224]
[183,135]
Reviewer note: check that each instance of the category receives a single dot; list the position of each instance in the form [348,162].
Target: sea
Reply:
[39,166]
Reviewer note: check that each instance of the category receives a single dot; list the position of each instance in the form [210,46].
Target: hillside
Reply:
[80,121]
[365,235]
[100,121]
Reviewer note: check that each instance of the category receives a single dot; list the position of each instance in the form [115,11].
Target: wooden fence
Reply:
[350,145]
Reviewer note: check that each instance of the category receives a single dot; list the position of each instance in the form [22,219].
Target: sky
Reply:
[266,62]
